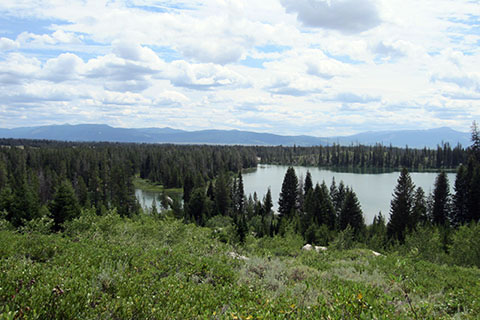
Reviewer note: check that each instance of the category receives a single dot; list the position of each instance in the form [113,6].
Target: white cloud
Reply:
[305,66]
[349,16]
[7,44]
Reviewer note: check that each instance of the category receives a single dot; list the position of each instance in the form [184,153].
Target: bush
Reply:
[465,248]
[426,243]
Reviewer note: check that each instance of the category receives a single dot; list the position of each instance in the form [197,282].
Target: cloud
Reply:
[349,97]
[7,44]
[461,79]
[296,87]
[389,50]
[327,68]
[348,16]
[202,76]
[64,67]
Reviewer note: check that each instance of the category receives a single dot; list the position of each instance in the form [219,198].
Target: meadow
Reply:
[146,267]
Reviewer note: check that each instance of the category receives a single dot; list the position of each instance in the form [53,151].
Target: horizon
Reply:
[250,131]
[287,67]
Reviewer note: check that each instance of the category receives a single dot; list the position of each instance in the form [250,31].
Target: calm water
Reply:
[374,191]
[145,198]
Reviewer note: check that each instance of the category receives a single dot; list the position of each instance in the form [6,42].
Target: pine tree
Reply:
[351,214]
[239,195]
[308,185]
[459,213]
[419,211]
[288,196]
[64,206]
[441,200]
[401,208]
[475,147]
[222,195]
[196,206]
[188,186]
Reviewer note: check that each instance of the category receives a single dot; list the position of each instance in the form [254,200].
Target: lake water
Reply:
[374,191]
[145,198]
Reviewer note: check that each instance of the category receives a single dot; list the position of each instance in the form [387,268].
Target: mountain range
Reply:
[100,132]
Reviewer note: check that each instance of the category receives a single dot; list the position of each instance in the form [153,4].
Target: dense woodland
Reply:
[57,180]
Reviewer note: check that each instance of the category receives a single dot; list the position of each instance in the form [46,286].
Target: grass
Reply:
[145,268]
[147,185]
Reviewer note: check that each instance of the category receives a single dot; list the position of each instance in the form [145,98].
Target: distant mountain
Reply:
[100,132]
[413,138]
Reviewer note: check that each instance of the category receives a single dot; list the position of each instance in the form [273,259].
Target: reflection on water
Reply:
[145,198]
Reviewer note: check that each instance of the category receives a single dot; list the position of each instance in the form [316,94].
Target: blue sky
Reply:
[316,67]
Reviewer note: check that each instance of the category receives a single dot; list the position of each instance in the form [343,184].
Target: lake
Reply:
[374,190]
[145,198]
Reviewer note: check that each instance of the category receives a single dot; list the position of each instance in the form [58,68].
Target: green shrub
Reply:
[465,248]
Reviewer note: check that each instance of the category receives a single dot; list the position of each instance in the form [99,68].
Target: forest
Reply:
[58,193]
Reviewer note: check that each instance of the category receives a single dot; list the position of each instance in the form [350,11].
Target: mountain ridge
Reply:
[102,132]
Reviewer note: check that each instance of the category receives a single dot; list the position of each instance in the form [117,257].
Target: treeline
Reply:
[366,157]
[57,179]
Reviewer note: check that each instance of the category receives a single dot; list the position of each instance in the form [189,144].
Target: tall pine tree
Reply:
[288,196]
[401,208]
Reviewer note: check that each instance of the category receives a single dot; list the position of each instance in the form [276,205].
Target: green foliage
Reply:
[145,268]
[465,248]
[425,244]
[288,196]
[401,208]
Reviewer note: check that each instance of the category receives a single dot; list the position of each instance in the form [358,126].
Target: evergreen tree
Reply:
[239,195]
[475,147]
[288,196]
[338,197]
[222,194]
[459,214]
[308,185]
[419,211]
[351,214]
[441,200]
[474,195]
[64,206]
[327,208]
[268,203]
[401,208]
[196,206]
[188,186]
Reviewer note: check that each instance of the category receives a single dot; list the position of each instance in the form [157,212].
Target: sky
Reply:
[291,67]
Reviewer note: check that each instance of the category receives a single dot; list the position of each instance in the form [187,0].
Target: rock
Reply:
[376,254]
[307,247]
[320,248]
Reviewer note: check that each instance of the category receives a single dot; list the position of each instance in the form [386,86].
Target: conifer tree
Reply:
[222,194]
[308,185]
[441,200]
[401,208]
[419,211]
[64,206]
[459,214]
[351,214]
[288,196]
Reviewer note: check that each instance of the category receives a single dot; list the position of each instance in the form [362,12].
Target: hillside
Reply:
[146,268]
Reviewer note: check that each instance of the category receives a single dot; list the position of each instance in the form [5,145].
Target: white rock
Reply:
[307,247]
[376,254]
[320,248]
